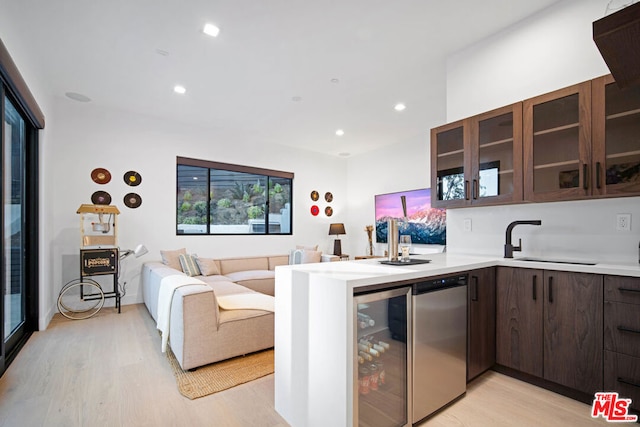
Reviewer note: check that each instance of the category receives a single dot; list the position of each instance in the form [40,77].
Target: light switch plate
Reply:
[467,224]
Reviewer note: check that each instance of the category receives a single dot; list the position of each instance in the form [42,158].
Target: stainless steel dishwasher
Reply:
[439,331]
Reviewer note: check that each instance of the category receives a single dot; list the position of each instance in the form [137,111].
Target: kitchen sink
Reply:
[556,261]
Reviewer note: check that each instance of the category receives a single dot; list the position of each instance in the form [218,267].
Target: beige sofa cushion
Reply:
[226,287]
[208,266]
[262,281]
[231,265]
[172,258]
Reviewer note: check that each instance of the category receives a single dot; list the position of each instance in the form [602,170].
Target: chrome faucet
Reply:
[508,247]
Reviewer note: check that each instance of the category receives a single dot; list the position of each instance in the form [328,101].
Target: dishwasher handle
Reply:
[433,285]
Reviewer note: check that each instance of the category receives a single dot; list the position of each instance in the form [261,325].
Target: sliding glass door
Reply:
[19,217]
[13,165]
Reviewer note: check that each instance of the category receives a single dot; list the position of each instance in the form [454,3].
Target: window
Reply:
[220,198]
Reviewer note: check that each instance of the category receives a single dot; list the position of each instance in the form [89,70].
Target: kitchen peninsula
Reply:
[315,380]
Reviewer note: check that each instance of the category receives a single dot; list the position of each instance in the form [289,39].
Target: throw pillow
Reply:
[311,256]
[307,248]
[208,267]
[171,258]
[189,265]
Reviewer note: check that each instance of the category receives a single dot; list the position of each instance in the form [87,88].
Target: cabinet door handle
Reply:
[626,381]
[585,180]
[550,289]
[535,287]
[476,188]
[628,290]
[474,294]
[466,189]
[625,329]
[598,166]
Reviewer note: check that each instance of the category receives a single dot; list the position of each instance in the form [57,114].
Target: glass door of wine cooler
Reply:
[382,343]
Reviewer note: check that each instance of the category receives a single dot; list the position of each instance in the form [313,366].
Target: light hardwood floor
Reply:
[109,371]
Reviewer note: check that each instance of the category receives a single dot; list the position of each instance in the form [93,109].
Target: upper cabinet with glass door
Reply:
[557,152]
[450,165]
[496,156]
[478,161]
[616,138]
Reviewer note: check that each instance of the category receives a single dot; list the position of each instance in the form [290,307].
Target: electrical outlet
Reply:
[467,224]
[623,222]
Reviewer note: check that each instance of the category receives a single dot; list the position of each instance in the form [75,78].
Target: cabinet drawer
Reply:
[622,289]
[622,374]
[622,328]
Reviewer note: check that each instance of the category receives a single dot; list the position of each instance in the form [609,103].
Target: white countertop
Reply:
[370,271]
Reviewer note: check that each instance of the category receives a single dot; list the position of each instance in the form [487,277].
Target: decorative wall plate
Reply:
[315,210]
[328,197]
[132,200]
[328,211]
[315,195]
[100,176]
[132,178]
[101,198]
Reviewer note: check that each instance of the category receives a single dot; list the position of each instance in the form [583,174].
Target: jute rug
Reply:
[222,375]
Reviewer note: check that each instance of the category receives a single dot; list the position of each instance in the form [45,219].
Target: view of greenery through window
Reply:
[216,198]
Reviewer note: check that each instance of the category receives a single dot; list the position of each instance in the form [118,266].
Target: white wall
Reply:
[30,70]
[401,167]
[86,137]
[551,50]
[548,51]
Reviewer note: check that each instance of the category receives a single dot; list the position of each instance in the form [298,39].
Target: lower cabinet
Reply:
[622,337]
[549,324]
[519,319]
[481,336]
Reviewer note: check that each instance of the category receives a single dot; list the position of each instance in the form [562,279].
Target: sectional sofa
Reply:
[222,310]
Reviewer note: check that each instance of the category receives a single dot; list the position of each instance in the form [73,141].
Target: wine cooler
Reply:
[382,358]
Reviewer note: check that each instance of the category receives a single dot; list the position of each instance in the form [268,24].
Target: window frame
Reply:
[267,174]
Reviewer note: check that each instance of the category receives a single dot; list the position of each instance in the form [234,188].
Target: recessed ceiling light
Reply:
[179,89]
[339,132]
[211,30]
[334,80]
[77,97]
[296,99]
[162,52]
[399,107]
[344,154]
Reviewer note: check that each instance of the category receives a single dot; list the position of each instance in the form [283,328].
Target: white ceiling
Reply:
[129,54]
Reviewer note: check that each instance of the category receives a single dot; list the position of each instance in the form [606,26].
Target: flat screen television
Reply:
[425,225]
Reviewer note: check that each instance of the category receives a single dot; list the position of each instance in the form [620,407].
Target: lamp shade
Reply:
[337,229]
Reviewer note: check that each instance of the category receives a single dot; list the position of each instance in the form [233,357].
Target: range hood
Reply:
[617,37]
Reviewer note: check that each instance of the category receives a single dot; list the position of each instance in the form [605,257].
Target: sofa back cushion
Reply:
[231,265]
[277,260]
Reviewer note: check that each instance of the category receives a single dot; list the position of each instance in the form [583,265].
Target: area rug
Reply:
[219,376]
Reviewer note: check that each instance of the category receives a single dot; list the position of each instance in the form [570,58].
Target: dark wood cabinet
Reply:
[557,139]
[481,335]
[519,319]
[622,337]
[549,324]
[478,160]
[575,143]
[573,316]
[616,147]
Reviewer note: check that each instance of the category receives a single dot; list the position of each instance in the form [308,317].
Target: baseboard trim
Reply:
[548,385]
